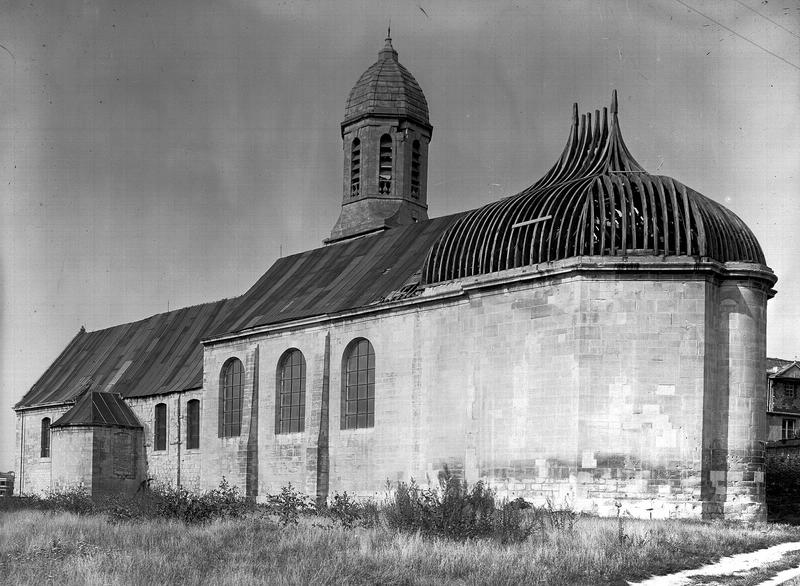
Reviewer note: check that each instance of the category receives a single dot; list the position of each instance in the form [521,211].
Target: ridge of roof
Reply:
[69,345]
[129,357]
[344,275]
[784,368]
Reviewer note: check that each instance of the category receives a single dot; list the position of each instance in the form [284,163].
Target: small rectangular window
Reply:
[160,428]
[788,428]
[45,443]
[193,425]
[790,390]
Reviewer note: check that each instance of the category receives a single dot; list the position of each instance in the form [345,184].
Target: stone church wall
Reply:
[591,388]
[73,458]
[574,389]
[734,425]
[176,465]
[34,473]
[117,462]
[234,458]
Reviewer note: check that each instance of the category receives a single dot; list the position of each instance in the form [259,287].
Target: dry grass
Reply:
[39,547]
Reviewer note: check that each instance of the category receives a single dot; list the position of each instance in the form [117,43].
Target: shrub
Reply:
[349,512]
[167,502]
[510,523]
[290,504]
[456,511]
[73,500]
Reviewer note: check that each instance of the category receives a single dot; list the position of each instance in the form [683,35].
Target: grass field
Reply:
[46,547]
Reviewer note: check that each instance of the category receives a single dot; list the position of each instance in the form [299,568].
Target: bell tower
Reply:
[385,137]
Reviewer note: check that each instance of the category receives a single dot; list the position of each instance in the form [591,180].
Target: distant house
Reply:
[783,399]
[6,483]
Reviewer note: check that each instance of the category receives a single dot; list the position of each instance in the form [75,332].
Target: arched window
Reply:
[355,169]
[290,404]
[193,424]
[415,169]
[358,386]
[160,428]
[230,398]
[45,452]
[385,168]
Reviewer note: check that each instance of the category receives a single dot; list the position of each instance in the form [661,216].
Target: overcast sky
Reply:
[159,154]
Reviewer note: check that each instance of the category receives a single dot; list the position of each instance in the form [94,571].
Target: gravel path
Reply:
[734,564]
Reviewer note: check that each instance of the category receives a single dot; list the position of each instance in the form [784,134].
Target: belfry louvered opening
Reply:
[355,168]
[597,200]
[385,162]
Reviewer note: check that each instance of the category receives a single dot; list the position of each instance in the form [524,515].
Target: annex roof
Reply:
[98,409]
[345,275]
[159,354]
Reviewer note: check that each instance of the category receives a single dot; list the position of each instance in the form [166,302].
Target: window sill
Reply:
[358,430]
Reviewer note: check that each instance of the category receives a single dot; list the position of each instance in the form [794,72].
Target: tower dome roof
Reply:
[595,201]
[387,88]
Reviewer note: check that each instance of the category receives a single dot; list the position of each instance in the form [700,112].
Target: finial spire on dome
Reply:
[614,102]
[388,50]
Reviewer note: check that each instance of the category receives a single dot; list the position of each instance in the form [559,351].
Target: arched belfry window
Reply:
[385,169]
[358,386]
[45,447]
[230,398]
[415,169]
[290,404]
[355,169]
[193,424]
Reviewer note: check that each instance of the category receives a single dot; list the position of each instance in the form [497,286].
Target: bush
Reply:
[456,511]
[349,512]
[72,500]
[510,524]
[289,505]
[180,504]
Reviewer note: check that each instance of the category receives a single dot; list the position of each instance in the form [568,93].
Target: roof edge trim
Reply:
[580,264]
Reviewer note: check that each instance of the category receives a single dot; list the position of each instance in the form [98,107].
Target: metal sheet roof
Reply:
[342,276]
[160,354]
[99,409]
[164,354]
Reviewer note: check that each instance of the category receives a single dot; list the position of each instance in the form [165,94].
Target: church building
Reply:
[597,338]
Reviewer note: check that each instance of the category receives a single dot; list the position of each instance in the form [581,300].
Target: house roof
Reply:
[776,364]
[98,409]
[160,354]
[597,200]
[790,369]
[345,275]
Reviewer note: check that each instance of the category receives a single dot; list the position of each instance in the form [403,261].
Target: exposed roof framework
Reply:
[596,200]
